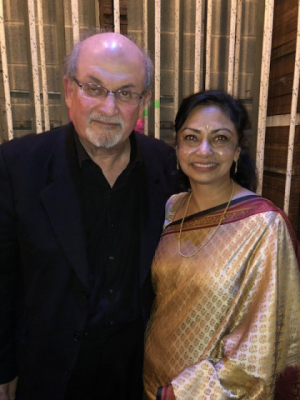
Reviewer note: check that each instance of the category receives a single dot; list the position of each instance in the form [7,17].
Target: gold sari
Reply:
[225,323]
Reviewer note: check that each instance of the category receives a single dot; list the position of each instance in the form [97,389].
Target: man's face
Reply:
[112,61]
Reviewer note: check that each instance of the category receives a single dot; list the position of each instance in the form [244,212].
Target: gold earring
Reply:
[236,167]
[177,164]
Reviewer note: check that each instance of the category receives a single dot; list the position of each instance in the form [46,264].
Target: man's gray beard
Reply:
[104,141]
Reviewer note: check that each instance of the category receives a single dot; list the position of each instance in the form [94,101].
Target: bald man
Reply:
[81,212]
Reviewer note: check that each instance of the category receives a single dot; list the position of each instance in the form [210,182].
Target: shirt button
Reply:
[76,336]
[110,291]
[111,323]
[111,258]
[85,295]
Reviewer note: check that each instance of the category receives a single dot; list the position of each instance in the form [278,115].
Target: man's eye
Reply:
[124,94]
[93,90]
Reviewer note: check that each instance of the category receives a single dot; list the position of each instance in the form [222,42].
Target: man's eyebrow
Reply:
[98,81]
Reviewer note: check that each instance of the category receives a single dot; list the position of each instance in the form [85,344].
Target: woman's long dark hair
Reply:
[235,110]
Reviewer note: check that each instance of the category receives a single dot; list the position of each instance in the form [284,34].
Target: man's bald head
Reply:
[112,43]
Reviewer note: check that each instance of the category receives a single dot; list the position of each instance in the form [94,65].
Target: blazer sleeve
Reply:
[9,275]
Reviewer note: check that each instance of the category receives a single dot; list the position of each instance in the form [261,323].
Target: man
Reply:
[81,211]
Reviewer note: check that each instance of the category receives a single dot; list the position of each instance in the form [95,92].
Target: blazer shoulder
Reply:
[33,143]
[152,147]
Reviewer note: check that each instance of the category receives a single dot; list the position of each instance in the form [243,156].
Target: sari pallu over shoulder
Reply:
[240,208]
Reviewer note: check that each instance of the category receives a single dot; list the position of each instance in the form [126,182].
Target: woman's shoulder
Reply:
[172,206]
[176,198]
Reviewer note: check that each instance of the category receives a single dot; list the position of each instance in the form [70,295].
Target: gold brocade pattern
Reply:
[226,322]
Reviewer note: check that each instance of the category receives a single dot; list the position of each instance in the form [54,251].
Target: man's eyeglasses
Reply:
[122,96]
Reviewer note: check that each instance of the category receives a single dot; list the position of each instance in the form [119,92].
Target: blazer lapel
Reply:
[152,201]
[62,205]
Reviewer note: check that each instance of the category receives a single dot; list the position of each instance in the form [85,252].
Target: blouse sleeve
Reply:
[259,357]
[172,206]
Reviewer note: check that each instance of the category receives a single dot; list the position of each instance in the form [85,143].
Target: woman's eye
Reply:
[190,137]
[221,138]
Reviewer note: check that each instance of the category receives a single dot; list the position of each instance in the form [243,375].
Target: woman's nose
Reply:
[204,147]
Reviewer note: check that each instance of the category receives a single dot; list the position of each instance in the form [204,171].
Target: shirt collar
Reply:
[135,155]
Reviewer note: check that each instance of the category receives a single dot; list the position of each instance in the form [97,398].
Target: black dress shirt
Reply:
[111,219]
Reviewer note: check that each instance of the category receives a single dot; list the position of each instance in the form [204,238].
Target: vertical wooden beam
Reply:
[198,32]
[232,38]
[157,26]
[260,12]
[146,46]
[237,49]
[178,67]
[264,87]
[295,95]
[61,48]
[75,20]
[8,111]
[208,44]
[43,64]
[34,66]
[117,16]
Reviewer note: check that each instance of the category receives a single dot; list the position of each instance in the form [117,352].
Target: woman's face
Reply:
[207,145]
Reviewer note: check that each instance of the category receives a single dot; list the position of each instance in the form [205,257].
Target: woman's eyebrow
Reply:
[222,129]
[192,129]
[198,131]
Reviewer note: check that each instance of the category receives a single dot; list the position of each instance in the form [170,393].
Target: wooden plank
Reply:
[273,189]
[276,149]
[285,22]
[284,49]
[279,134]
[281,85]
[281,105]
[282,66]
[106,16]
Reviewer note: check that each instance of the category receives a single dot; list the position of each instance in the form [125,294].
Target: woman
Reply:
[226,318]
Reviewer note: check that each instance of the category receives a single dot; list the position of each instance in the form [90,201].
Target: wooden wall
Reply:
[106,18]
[279,104]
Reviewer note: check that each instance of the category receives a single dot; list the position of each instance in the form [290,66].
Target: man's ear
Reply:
[68,87]
[146,99]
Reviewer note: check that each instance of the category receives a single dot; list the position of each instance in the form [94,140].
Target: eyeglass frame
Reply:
[107,92]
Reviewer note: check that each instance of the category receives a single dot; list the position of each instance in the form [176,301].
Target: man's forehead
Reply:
[111,56]
[111,43]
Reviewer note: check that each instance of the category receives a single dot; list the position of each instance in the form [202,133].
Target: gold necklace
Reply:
[215,231]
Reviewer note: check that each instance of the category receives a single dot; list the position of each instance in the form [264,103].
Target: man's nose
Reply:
[109,105]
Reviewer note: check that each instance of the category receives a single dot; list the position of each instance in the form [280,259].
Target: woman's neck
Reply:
[207,196]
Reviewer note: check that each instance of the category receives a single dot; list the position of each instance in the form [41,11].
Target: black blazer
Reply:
[43,262]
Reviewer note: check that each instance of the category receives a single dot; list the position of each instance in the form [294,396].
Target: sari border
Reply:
[239,209]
